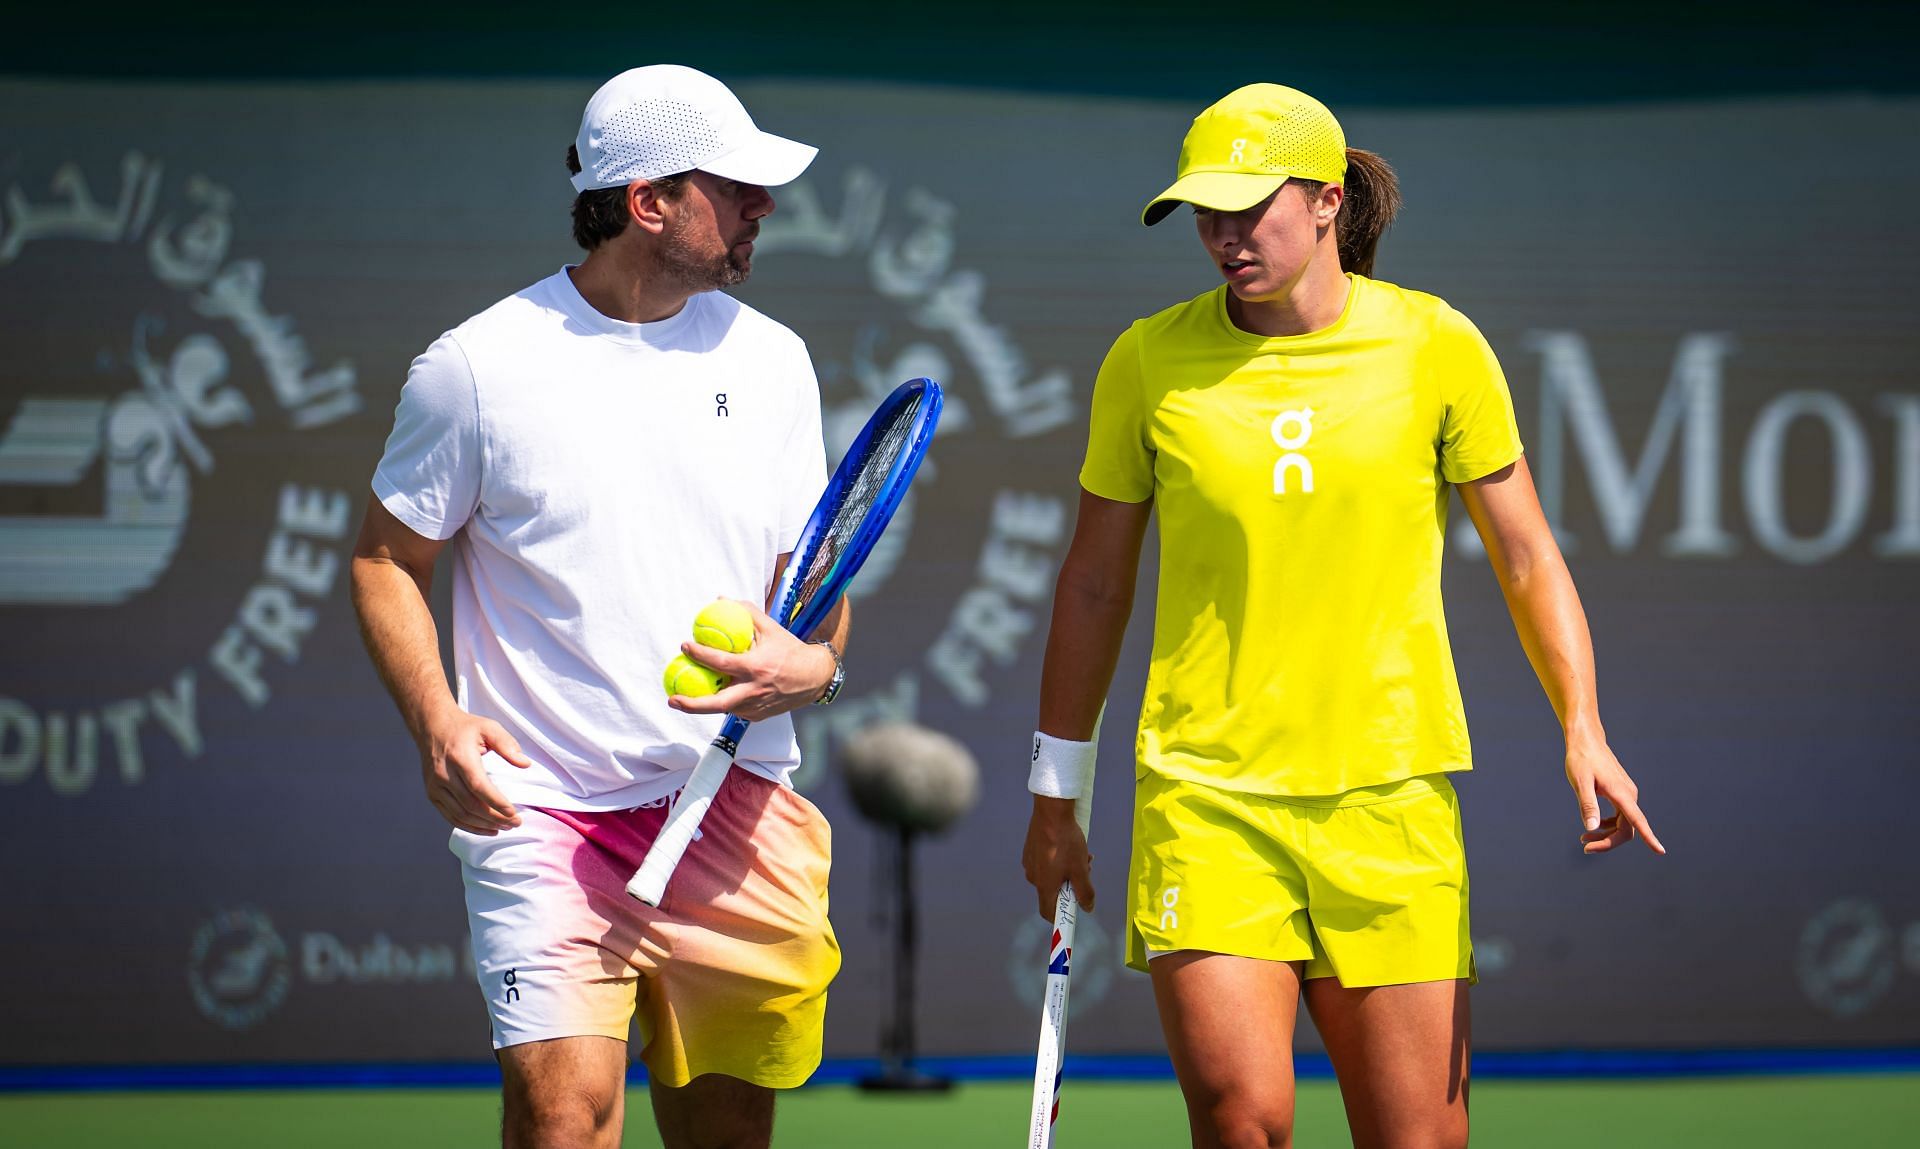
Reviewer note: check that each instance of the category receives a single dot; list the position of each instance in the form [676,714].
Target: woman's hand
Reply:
[1056,852]
[1594,773]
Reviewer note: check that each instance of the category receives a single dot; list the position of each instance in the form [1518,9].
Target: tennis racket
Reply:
[1047,1071]
[859,500]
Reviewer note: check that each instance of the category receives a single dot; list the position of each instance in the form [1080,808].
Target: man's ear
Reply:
[643,207]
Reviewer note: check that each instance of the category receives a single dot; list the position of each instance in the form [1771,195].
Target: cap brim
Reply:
[766,159]
[1216,191]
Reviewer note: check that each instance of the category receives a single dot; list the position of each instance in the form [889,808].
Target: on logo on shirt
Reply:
[1292,429]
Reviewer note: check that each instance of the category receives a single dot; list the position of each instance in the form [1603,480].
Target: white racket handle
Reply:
[1053,1024]
[649,883]
[1053,1005]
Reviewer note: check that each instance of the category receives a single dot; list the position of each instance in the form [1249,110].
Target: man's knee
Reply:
[562,1094]
[558,1116]
[714,1112]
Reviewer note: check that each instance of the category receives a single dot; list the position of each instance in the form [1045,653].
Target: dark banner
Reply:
[216,844]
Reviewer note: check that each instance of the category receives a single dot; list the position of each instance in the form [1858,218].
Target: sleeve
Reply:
[429,475]
[1120,456]
[803,464]
[1478,433]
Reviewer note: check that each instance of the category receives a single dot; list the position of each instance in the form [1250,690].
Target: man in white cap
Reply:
[607,451]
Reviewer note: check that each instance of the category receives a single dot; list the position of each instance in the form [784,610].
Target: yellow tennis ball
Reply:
[687,677]
[724,625]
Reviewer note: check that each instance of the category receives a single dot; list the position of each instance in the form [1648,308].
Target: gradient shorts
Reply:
[1369,886]
[728,976]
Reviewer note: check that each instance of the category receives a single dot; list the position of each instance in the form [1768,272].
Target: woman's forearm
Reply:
[1090,612]
[1553,631]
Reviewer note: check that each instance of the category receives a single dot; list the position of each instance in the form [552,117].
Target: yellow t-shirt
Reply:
[1299,645]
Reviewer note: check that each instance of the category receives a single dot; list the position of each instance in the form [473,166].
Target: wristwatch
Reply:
[839,675]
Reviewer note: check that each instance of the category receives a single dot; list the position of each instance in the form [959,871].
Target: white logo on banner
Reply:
[1492,955]
[238,969]
[1848,957]
[149,445]
[909,262]
[1796,438]
[1093,962]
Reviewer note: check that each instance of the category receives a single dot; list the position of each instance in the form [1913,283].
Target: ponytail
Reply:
[1372,200]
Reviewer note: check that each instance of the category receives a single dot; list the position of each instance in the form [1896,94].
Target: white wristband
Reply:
[1061,769]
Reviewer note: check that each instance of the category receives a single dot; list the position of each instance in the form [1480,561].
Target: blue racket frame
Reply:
[892,490]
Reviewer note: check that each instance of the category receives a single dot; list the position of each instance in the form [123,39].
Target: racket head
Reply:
[859,501]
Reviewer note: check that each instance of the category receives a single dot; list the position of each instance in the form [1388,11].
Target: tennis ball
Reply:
[724,625]
[687,677]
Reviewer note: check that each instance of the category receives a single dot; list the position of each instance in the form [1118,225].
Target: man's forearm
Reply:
[397,626]
[836,627]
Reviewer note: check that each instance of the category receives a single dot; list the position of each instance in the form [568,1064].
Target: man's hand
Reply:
[392,573]
[1594,773]
[1056,852]
[781,673]
[456,780]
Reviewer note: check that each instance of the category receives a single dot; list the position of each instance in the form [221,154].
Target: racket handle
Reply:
[1053,1023]
[649,883]
[1053,1004]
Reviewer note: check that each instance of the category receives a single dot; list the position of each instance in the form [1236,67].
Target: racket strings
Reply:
[869,480]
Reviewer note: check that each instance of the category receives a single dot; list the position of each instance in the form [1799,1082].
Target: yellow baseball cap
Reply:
[1240,150]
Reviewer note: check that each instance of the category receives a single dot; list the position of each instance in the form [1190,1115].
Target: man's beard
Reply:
[680,261]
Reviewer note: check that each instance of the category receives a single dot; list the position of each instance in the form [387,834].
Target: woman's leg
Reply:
[1401,1053]
[1229,1026]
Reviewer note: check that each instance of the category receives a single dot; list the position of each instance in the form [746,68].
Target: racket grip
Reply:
[1053,1023]
[1053,1007]
[1066,915]
[649,883]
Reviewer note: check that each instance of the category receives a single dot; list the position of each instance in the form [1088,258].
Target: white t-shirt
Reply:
[602,481]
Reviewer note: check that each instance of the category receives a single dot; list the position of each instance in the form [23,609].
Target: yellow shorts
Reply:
[1369,886]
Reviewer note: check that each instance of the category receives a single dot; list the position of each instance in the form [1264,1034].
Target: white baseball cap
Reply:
[664,119]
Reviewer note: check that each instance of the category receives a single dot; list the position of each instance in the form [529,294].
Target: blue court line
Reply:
[1538,1064]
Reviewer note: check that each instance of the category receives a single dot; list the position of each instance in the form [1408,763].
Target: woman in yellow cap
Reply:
[1298,430]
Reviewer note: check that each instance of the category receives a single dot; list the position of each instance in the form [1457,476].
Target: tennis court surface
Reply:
[1839,1111]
